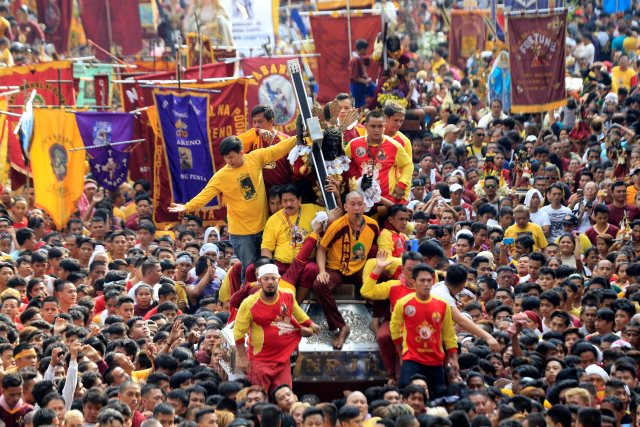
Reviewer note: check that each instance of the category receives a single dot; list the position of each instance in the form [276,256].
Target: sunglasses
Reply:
[490,186]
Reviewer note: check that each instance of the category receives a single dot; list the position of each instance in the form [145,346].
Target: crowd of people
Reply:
[497,253]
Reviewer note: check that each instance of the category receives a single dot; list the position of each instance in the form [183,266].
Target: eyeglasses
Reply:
[480,135]
[491,186]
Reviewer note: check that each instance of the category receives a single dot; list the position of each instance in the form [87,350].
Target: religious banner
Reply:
[121,34]
[271,85]
[342,4]
[194,47]
[109,163]
[226,117]
[59,178]
[102,90]
[536,59]
[44,78]
[184,130]
[331,40]
[56,16]
[85,74]
[467,36]
[254,23]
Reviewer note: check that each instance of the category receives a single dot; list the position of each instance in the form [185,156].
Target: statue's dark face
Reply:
[332,145]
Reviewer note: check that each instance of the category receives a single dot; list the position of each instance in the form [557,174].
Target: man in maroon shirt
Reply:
[619,205]
[129,394]
[12,407]
[360,84]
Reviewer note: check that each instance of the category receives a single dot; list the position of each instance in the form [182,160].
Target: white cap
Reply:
[268,269]
[531,138]
[464,232]
[455,187]
[208,247]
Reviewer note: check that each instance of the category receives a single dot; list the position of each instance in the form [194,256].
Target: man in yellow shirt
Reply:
[524,227]
[622,75]
[241,185]
[285,232]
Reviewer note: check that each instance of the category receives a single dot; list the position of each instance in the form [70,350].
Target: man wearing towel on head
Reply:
[275,323]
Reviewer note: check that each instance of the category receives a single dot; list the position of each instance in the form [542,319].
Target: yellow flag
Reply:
[4,143]
[58,173]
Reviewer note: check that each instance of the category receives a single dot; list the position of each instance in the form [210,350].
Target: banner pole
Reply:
[131,141]
[109,30]
[349,27]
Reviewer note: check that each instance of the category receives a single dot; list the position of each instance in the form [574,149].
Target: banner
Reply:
[102,90]
[56,16]
[271,85]
[4,143]
[536,58]
[536,4]
[615,6]
[109,163]
[467,36]
[226,117]
[194,47]
[59,178]
[254,23]
[43,78]
[184,130]
[209,71]
[86,77]
[342,4]
[126,30]
[331,40]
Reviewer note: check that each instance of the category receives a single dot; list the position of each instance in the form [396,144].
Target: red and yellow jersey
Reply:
[277,172]
[393,290]
[392,242]
[402,139]
[274,329]
[346,253]
[355,132]
[392,162]
[422,326]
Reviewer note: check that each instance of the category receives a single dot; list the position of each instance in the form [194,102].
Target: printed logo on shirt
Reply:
[358,252]
[436,317]
[425,331]
[382,156]
[248,190]
[360,151]
[410,310]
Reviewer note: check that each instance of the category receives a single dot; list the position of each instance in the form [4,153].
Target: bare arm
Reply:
[468,325]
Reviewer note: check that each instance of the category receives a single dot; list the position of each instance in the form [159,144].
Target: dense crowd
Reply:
[497,254]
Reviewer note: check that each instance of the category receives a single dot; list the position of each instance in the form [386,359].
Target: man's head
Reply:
[291,199]
[231,151]
[374,123]
[350,416]
[268,278]
[263,117]
[129,394]
[395,117]
[284,397]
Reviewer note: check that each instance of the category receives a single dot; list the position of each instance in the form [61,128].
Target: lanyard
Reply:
[296,235]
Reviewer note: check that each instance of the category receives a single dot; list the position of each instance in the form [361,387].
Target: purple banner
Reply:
[185,132]
[100,133]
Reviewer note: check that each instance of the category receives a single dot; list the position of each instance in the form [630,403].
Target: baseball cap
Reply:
[531,138]
[451,128]
[570,220]
[456,187]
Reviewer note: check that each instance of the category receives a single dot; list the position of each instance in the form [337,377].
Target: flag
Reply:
[56,16]
[296,18]
[25,130]
[615,6]
[102,90]
[467,35]
[331,40]
[59,178]
[87,91]
[109,163]
[44,78]
[126,29]
[193,50]
[536,59]
[226,117]
[184,131]
[270,85]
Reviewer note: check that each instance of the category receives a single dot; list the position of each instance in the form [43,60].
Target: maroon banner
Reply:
[56,16]
[101,87]
[271,85]
[209,71]
[43,78]
[126,30]
[467,36]
[331,40]
[537,50]
[227,116]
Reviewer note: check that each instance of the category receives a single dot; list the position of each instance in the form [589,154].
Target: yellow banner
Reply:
[58,173]
[342,4]
[4,142]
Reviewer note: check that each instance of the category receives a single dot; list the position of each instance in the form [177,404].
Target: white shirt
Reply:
[556,216]
[488,118]
[441,291]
